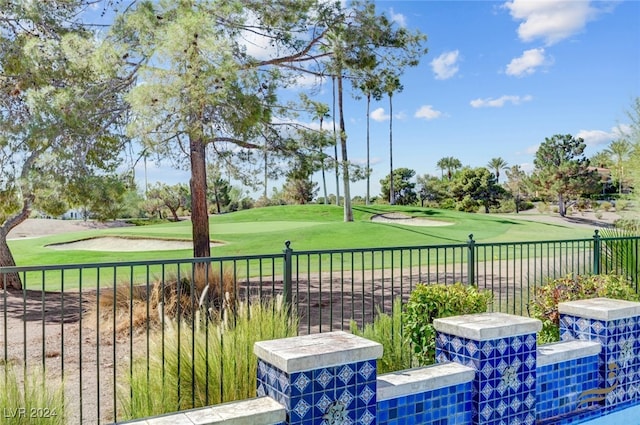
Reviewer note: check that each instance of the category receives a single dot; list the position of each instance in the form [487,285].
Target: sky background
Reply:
[499,78]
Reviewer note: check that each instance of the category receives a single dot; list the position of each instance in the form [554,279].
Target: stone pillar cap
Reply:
[486,326]
[600,309]
[309,352]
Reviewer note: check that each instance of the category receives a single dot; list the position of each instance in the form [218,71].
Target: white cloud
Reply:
[379,115]
[445,66]
[398,18]
[363,161]
[531,150]
[527,63]
[306,81]
[400,116]
[527,167]
[550,20]
[622,131]
[500,102]
[428,113]
[597,137]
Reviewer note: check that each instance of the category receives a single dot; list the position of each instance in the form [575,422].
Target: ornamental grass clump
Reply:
[30,400]
[133,308]
[200,362]
[387,330]
[620,246]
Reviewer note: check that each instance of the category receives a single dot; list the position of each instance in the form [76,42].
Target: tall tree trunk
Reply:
[392,195]
[266,172]
[215,194]
[199,213]
[324,177]
[12,280]
[348,212]
[561,209]
[368,195]
[335,139]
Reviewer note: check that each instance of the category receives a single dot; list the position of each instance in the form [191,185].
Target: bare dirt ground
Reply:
[50,330]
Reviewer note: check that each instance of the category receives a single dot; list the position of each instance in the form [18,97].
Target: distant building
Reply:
[605,178]
[72,214]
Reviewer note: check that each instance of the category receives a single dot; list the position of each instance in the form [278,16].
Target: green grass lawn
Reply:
[308,227]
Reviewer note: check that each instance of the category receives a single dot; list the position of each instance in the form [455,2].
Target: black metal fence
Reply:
[87,323]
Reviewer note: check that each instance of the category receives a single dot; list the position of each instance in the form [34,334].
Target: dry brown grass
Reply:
[135,308]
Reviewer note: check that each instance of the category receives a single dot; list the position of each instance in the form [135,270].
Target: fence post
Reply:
[471,261]
[287,280]
[597,243]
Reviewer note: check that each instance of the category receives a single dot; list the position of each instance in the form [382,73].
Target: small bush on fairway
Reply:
[387,330]
[32,402]
[204,364]
[428,302]
[570,288]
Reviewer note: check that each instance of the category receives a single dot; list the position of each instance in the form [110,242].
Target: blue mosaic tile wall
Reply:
[443,406]
[560,388]
[619,372]
[343,394]
[504,390]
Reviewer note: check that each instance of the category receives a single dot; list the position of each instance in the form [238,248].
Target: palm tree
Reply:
[335,138]
[320,112]
[619,150]
[450,164]
[370,87]
[601,160]
[391,85]
[497,164]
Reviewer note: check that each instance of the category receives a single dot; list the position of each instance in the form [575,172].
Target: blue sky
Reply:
[499,77]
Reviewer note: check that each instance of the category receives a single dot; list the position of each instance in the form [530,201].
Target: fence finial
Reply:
[287,244]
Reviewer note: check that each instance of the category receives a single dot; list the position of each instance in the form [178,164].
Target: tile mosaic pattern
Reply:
[344,394]
[559,389]
[619,359]
[504,390]
[444,406]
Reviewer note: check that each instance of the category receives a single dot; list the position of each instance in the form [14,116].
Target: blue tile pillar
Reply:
[616,325]
[502,350]
[328,378]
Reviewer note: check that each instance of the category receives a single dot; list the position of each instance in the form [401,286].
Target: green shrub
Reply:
[583,204]
[467,204]
[621,205]
[544,305]
[606,206]
[33,401]
[428,302]
[542,207]
[187,366]
[448,204]
[387,330]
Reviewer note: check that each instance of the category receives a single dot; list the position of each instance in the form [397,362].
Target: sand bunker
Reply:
[407,220]
[123,244]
